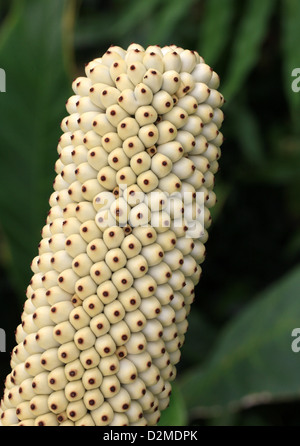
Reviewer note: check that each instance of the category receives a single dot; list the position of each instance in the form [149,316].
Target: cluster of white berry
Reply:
[114,278]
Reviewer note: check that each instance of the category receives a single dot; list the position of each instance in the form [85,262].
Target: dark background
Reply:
[237,365]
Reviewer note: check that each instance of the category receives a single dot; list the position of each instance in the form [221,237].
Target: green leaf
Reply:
[132,13]
[172,13]
[37,86]
[223,191]
[248,39]
[175,414]
[290,38]
[119,25]
[92,30]
[292,248]
[253,361]
[216,28]
[198,338]
[247,132]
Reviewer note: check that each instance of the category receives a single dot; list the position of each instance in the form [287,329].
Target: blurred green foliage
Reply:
[237,365]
